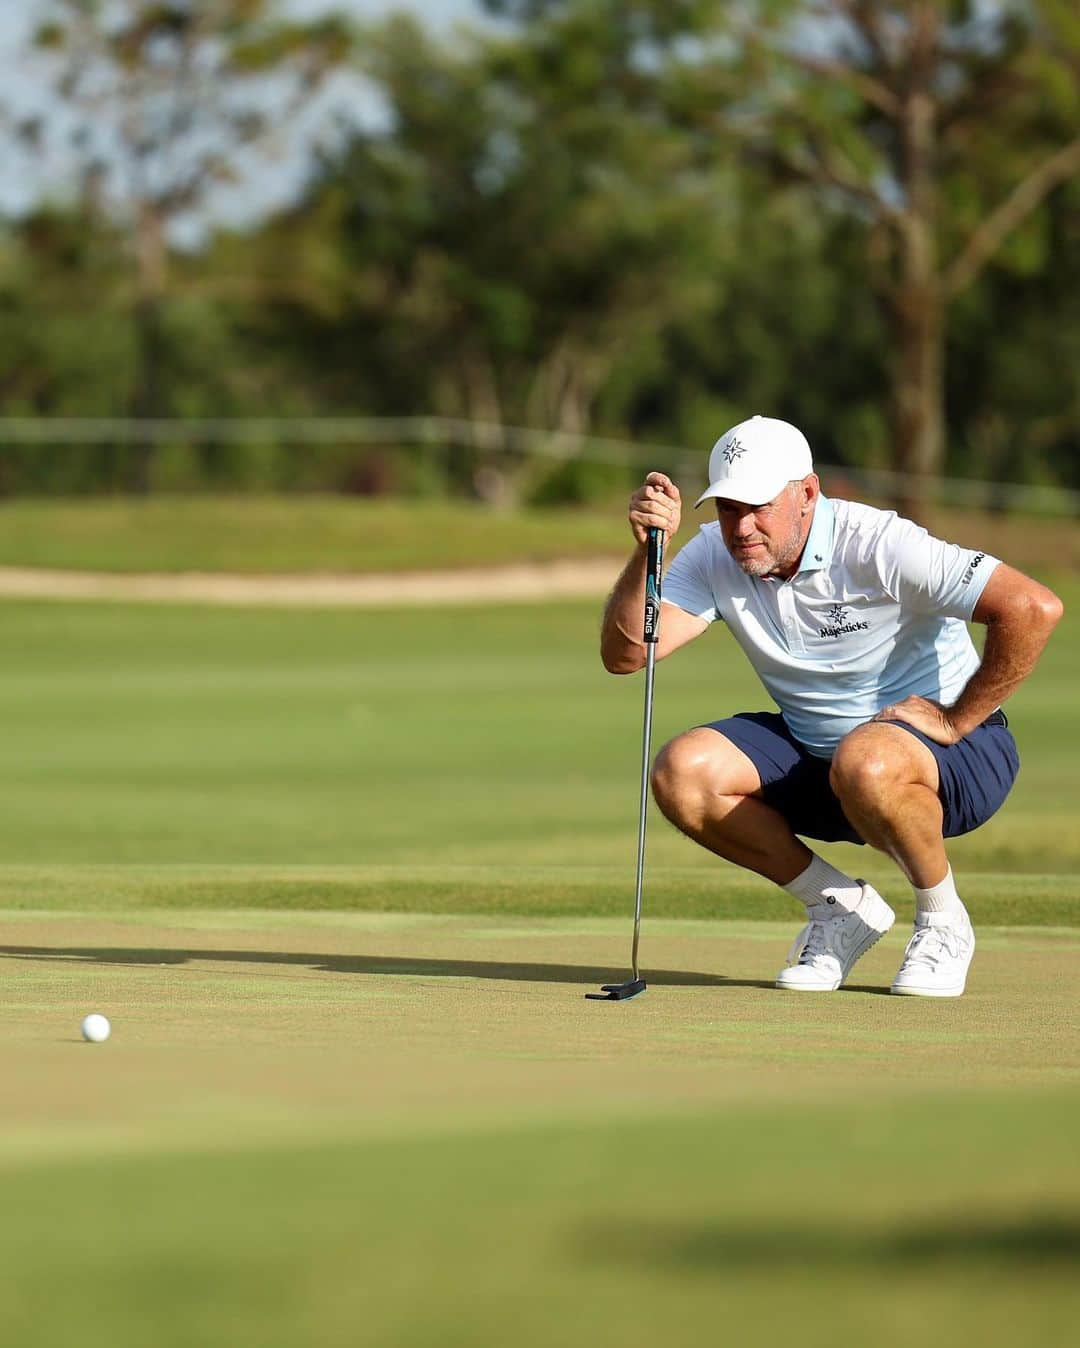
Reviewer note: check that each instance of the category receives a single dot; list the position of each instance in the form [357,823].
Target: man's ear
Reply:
[811,491]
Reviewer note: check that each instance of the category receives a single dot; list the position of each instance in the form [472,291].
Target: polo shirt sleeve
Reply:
[688,583]
[928,575]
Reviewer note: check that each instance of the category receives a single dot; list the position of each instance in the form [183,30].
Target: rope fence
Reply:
[495,441]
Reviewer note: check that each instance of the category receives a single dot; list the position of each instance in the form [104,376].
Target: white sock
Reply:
[822,883]
[939,898]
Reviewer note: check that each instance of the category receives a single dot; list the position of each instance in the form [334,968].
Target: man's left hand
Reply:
[929,717]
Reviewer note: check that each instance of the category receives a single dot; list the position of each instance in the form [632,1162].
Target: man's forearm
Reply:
[1019,615]
[1013,646]
[622,646]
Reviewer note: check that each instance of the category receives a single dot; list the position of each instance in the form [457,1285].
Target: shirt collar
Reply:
[819,541]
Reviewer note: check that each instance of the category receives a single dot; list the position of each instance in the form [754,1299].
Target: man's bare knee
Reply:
[699,767]
[875,760]
[676,773]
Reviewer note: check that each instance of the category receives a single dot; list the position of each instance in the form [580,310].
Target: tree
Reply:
[943,127]
[509,239]
[940,127]
[157,104]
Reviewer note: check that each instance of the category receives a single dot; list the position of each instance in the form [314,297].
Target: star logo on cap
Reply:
[734,449]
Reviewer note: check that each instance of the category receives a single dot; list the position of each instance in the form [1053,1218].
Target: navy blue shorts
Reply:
[976,774]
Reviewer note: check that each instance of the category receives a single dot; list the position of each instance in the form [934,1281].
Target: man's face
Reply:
[767,540]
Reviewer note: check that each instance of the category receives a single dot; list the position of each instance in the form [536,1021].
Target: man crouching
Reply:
[890,729]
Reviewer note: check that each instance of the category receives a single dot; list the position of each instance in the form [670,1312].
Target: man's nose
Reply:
[744,525]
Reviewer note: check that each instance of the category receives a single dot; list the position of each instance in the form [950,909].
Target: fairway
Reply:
[311,534]
[340,881]
[447,760]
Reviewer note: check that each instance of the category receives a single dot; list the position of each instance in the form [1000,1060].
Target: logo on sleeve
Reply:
[972,567]
[837,624]
[734,449]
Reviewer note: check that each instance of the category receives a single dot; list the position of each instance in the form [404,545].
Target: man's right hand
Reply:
[655,505]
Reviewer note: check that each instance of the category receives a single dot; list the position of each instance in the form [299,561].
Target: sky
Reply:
[17,15]
[433,11]
[24,179]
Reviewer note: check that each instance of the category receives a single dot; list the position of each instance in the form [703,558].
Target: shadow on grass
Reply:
[375,964]
[711,1247]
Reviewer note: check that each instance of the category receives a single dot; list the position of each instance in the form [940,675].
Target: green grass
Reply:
[253,534]
[316,1126]
[443,760]
[673,1232]
[342,1129]
[295,534]
[1037,899]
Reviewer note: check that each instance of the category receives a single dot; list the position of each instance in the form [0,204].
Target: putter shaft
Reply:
[618,992]
[650,664]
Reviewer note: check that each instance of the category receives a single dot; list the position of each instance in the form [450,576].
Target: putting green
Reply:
[248,1022]
[364,1128]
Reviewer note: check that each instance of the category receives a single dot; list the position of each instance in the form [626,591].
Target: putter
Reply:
[620,992]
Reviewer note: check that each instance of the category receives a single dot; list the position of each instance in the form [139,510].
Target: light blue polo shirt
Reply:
[876,612]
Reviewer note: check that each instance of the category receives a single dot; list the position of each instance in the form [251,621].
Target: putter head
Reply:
[617,992]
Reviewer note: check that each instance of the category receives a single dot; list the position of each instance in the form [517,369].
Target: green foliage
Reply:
[642,220]
[154,102]
[54,272]
[581,482]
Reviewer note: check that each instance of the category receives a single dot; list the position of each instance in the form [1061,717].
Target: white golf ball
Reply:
[96,1029]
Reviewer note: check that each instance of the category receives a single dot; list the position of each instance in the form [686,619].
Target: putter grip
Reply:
[652,586]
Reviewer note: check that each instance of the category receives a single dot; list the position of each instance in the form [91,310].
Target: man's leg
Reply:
[711,790]
[887,782]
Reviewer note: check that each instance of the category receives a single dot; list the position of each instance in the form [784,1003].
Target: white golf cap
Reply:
[755,460]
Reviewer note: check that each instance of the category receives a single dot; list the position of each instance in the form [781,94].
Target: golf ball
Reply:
[96,1029]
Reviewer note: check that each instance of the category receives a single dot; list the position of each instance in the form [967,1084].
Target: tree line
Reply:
[641,220]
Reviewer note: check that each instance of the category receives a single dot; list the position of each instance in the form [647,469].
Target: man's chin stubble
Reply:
[763,567]
[760,567]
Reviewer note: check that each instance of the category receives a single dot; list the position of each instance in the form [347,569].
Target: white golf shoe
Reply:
[937,956]
[833,940]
